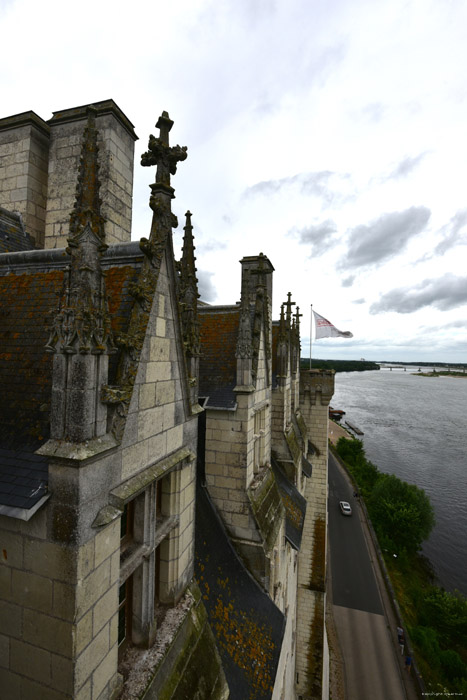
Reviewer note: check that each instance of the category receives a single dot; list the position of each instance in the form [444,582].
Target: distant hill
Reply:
[338,365]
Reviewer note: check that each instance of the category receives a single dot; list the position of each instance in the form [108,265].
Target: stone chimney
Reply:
[24,153]
[39,163]
[116,154]
[256,271]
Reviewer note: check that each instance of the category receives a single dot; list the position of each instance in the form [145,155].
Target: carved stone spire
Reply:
[189,292]
[244,348]
[289,303]
[282,348]
[160,241]
[82,322]
[81,336]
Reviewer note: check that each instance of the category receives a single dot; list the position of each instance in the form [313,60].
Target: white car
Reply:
[345,508]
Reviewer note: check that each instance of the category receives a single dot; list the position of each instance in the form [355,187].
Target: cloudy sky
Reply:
[328,134]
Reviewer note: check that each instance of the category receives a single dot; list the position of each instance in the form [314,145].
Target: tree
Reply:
[401,513]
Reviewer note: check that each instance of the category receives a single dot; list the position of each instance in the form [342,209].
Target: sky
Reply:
[329,135]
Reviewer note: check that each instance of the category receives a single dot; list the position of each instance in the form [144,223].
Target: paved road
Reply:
[371,668]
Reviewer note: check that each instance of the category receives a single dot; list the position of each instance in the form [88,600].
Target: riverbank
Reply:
[337,431]
[435,619]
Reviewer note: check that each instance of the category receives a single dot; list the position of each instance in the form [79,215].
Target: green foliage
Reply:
[401,512]
[447,612]
[363,471]
[426,640]
[403,517]
[338,365]
[452,665]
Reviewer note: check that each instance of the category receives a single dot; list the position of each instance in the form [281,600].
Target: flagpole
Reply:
[311,328]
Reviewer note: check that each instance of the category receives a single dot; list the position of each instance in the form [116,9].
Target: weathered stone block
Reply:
[160,349]
[83,632]
[4,651]
[92,587]
[104,610]
[62,673]
[91,657]
[30,661]
[63,605]
[48,632]
[30,689]
[150,422]
[49,559]
[105,672]
[165,392]
[147,396]
[106,542]
[10,683]
[11,549]
[32,591]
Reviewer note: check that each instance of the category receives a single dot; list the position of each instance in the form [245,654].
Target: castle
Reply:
[163,462]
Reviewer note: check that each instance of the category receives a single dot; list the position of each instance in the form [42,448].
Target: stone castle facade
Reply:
[163,463]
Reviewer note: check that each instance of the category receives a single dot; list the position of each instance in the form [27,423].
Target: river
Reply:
[415,427]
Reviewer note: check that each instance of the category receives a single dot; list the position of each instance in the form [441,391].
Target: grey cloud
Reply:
[405,166]
[385,237]
[206,288]
[316,183]
[348,281]
[320,237]
[453,233]
[359,301]
[212,246]
[445,326]
[445,293]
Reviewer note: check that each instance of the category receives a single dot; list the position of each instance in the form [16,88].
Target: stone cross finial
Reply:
[289,303]
[161,154]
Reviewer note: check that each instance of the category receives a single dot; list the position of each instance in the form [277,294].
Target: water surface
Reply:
[415,427]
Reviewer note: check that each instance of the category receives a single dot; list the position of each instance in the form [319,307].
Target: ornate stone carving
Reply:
[244,349]
[82,322]
[161,154]
[131,343]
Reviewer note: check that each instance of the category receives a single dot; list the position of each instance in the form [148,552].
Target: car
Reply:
[345,508]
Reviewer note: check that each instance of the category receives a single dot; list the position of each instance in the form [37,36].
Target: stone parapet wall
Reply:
[316,390]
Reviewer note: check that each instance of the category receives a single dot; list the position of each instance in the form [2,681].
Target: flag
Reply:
[325,329]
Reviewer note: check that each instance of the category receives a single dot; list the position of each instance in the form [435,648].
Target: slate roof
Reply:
[248,626]
[30,285]
[13,237]
[294,504]
[218,364]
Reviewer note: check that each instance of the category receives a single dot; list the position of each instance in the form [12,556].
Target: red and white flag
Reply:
[325,329]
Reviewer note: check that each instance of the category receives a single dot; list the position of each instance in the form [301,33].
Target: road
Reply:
[372,671]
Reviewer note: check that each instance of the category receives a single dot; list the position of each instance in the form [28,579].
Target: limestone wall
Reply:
[116,152]
[59,631]
[158,425]
[316,390]
[24,147]
[230,454]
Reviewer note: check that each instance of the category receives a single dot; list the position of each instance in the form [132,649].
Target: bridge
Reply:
[422,368]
